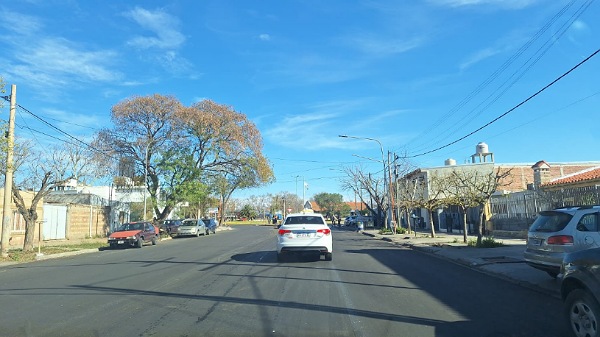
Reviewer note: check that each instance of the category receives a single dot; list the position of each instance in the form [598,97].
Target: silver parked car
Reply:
[561,231]
[191,227]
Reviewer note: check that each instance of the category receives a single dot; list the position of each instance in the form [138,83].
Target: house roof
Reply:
[74,198]
[540,164]
[592,173]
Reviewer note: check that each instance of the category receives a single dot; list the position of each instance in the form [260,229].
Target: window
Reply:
[588,223]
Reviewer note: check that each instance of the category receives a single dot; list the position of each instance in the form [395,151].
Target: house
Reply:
[518,179]
[72,215]
[585,178]
[17,227]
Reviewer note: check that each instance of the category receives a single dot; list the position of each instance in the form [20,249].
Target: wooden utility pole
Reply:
[8,177]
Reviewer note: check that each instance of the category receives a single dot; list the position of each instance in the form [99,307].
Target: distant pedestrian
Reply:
[274,219]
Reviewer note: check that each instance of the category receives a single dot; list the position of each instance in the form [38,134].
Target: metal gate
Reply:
[55,222]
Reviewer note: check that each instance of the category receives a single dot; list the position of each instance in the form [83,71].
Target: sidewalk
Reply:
[505,262]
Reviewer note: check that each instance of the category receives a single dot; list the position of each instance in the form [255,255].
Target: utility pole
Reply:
[391,195]
[8,176]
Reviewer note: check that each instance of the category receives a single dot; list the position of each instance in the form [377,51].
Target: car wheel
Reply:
[154,241]
[198,233]
[582,312]
[207,232]
[328,257]
[140,242]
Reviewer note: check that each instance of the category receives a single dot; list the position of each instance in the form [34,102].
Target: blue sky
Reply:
[415,75]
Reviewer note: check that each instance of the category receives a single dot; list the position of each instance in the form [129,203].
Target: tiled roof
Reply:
[581,176]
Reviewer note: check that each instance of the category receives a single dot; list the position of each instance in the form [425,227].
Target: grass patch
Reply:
[18,255]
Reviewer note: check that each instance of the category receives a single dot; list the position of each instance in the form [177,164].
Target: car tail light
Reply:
[560,240]
[326,231]
[284,231]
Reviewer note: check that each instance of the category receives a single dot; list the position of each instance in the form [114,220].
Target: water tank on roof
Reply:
[481,148]
[449,162]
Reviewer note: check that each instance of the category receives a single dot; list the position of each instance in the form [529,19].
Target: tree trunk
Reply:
[465,225]
[431,222]
[29,233]
[480,227]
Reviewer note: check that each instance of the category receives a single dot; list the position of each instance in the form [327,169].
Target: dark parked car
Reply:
[170,226]
[580,291]
[133,234]
[211,225]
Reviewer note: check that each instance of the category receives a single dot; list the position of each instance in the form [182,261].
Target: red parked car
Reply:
[134,234]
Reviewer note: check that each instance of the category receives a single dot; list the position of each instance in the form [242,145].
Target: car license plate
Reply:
[120,242]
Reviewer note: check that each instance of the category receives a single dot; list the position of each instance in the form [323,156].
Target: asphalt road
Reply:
[230,284]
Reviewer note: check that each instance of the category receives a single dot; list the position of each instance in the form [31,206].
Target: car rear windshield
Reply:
[131,227]
[550,221]
[189,223]
[296,220]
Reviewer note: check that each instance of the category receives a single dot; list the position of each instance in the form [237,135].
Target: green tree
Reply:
[248,212]
[330,203]
[228,148]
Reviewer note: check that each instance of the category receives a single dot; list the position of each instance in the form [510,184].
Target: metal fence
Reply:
[516,211]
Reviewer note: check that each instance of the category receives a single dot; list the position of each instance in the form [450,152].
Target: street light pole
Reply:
[382,159]
[145,178]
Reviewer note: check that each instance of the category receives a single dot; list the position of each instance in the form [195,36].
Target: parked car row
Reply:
[136,234]
[565,243]
[188,227]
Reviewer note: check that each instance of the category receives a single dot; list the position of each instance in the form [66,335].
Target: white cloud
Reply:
[163,25]
[319,127]
[20,24]
[264,37]
[383,47]
[478,57]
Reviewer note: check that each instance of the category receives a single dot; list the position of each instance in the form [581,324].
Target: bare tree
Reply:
[364,184]
[408,197]
[474,187]
[40,172]
[251,173]
[432,197]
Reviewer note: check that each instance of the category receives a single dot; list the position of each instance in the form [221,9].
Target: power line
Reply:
[77,140]
[515,76]
[509,111]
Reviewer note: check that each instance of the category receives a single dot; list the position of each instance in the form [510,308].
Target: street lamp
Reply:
[382,159]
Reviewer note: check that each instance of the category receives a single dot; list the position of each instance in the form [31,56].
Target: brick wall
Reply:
[84,221]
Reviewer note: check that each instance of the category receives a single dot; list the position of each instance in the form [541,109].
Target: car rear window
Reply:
[189,223]
[296,220]
[550,221]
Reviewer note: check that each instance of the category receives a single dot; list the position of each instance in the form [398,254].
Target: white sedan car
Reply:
[304,232]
